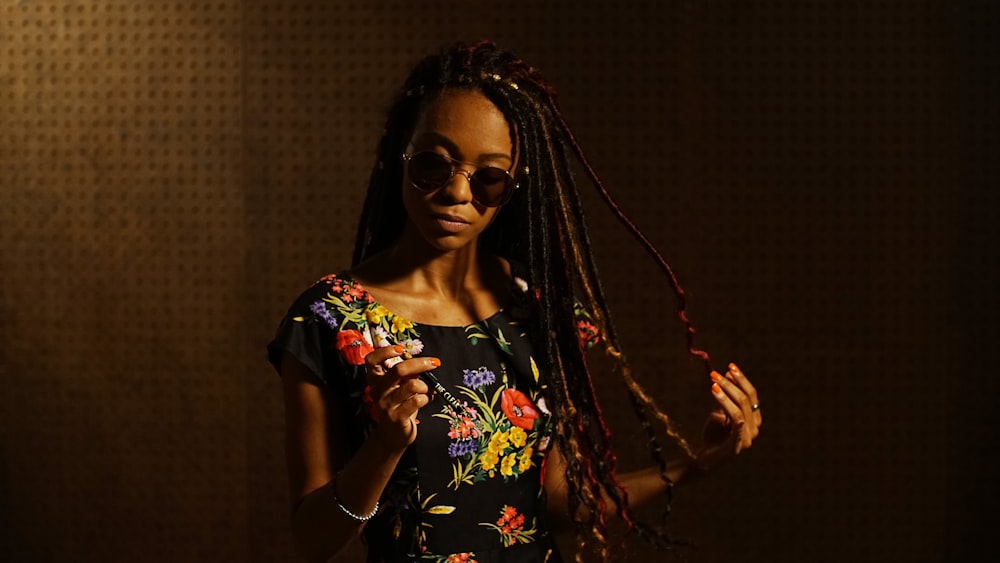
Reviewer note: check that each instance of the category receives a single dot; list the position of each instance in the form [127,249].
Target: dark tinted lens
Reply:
[428,171]
[490,185]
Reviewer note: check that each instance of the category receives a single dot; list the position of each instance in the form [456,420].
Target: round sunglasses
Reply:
[429,171]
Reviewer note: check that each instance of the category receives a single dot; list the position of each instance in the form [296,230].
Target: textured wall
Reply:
[121,266]
[173,174]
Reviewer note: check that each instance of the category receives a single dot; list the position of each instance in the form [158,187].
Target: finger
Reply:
[398,388]
[375,360]
[737,418]
[734,392]
[397,385]
[406,399]
[741,380]
[732,410]
[750,428]
[740,398]
[407,388]
[416,366]
[408,407]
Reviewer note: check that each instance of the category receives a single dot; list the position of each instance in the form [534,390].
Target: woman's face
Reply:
[462,125]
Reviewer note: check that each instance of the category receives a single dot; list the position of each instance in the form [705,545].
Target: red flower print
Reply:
[587,333]
[510,525]
[509,512]
[353,347]
[518,408]
[357,292]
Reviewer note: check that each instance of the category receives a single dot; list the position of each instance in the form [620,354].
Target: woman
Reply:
[437,394]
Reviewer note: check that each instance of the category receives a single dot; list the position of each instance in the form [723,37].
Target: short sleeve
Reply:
[306,332]
[324,330]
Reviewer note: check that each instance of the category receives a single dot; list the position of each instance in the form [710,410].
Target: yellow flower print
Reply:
[399,324]
[507,465]
[525,463]
[518,436]
[488,460]
[498,442]
[374,314]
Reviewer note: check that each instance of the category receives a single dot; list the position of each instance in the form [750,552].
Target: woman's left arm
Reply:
[730,428]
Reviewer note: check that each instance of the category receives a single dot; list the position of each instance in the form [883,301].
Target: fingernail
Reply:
[715,375]
[398,349]
[734,369]
[716,389]
[434,362]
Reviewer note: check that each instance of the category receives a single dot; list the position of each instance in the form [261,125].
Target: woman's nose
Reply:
[459,188]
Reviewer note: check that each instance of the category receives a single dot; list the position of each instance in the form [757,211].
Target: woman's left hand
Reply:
[735,423]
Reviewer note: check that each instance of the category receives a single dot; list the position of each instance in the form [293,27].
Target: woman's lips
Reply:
[450,223]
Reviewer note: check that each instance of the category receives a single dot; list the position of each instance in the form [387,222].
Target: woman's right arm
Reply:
[319,471]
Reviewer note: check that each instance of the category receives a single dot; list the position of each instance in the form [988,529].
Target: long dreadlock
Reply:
[543,227]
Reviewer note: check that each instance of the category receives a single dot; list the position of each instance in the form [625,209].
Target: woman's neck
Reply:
[414,267]
[452,288]
[448,274]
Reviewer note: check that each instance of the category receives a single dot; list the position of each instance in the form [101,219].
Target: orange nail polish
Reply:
[734,369]
[435,362]
[715,375]
[716,389]
[398,349]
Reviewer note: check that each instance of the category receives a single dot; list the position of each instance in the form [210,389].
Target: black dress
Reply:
[469,488]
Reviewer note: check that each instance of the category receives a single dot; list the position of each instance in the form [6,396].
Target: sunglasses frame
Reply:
[456,169]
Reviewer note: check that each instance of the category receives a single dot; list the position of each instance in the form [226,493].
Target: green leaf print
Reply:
[477,333]
[485,411]
[502,342]
[461,472]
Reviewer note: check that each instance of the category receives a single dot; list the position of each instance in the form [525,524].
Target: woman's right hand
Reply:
[397,393]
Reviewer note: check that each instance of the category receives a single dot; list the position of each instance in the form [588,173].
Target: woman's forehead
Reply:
[467,120]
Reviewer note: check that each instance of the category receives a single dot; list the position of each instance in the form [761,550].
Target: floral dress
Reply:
[469,488]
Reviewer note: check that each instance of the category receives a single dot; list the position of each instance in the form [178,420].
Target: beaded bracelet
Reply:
[347,511]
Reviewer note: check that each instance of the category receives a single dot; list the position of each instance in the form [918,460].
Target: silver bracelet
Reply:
[347,511]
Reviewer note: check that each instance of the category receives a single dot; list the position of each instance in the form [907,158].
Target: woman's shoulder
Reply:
[326,314]
[330,296]
[341,290]
[340,283]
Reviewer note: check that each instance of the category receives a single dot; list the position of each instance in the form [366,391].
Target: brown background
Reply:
[819,174]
